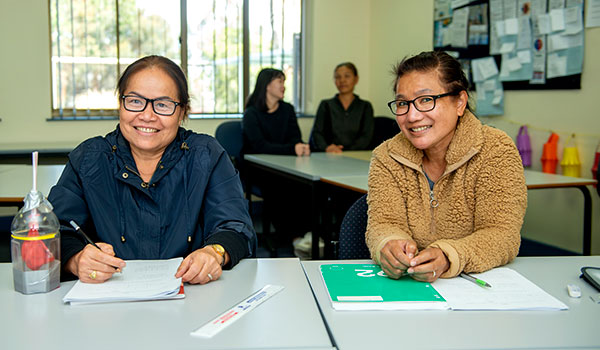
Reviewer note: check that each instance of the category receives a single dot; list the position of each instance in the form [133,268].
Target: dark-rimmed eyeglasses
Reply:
[160,106]
[423,103]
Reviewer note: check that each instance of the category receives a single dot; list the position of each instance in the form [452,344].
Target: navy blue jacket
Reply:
[194,198]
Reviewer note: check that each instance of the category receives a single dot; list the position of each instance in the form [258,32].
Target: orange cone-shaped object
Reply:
[549,155]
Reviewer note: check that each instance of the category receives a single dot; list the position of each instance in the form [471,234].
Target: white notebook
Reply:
[140,280]
[510,291]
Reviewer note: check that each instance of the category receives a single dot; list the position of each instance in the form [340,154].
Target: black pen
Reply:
[87,238]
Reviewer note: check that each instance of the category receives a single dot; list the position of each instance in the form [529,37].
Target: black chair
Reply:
[5,222]
[229,135]
[385,128]
[352,232]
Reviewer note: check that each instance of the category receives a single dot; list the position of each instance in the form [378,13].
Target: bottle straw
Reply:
[34,159]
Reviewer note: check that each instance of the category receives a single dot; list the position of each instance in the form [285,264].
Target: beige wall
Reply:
[372,34]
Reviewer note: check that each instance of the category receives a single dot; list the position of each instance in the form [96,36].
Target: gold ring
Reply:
[210,277]
[433,273]
[93,274]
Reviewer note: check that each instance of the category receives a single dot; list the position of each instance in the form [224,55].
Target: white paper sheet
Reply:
[592,17]
[509,291]
[140,280]
[557,19]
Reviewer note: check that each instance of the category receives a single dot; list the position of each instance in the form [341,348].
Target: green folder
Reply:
[366,287]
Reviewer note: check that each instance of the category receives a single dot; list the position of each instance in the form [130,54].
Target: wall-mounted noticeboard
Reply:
[535,44]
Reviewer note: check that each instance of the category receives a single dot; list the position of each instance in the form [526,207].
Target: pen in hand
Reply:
[475,280]
[87,238]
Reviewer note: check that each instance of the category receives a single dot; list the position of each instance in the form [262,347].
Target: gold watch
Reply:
[221,251]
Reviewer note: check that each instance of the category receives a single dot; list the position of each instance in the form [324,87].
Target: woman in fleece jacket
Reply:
[447,194]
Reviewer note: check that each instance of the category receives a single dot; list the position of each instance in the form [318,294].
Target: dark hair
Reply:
[258,98]
[449,70]
[348,65]
[167,66]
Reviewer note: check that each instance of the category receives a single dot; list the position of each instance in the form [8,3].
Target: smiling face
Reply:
[429,131]
[345,80]
[276,89]
[147,132]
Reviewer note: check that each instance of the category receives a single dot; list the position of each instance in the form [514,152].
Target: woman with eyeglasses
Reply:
[447,195]
[344,122]
[151,189]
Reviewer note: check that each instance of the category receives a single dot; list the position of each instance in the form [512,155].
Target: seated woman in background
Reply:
[270,125]
[151,189]
[344,122]
[447,194]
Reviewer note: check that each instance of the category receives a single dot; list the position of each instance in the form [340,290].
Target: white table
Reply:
[533,179]
[568,329]
[289,320]
[16,180]
[306,171]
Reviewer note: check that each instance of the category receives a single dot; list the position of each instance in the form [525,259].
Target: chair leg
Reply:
[270,241]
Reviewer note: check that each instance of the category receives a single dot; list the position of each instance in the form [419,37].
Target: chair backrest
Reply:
[352,232]
[385,128]
[229,135]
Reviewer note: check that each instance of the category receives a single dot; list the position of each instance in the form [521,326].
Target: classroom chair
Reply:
[352,232]
[229,134]
[385,128]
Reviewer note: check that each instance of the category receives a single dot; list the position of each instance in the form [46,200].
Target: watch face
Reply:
[219,249]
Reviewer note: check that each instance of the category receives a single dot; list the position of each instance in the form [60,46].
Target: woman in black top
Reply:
[344,122]
[269,124]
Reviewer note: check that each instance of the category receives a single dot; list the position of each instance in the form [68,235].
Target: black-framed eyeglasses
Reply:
[160,106]
[423,103]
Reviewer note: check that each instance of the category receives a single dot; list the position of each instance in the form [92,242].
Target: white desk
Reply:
[573,328]
[306,171]
[533,179]
[289,320]
[16,180]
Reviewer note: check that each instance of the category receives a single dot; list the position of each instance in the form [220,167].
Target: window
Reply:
[219,45]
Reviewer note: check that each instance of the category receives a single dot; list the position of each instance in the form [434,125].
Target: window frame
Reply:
[58,114]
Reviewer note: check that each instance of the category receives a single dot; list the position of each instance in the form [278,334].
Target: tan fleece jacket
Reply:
[481,198]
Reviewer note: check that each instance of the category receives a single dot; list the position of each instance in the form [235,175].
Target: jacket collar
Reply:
[173,153]
[466,142]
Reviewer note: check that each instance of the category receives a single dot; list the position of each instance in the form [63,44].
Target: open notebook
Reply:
[366,287]
[140,280]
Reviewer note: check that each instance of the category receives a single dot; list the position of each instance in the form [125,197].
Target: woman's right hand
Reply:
[95,266]
[302,149]
[334,148]
[396,255]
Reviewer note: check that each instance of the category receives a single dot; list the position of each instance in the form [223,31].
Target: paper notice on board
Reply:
[510,8]
[511,26]
[484,68]
[557,66]
[557,19]
[573,20]
[539,61]
[524,37]
[458,31]
[507,47]
[524,56]
[496,16]
[592,17]
[544,25]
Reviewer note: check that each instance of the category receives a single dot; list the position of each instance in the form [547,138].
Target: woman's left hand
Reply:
[428,265]
[201,266]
